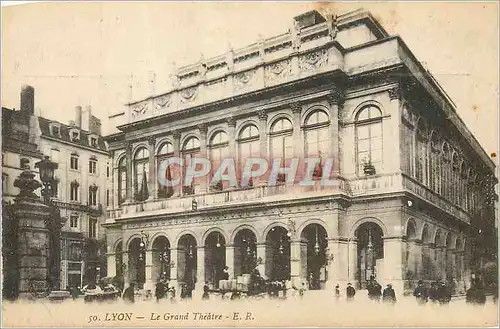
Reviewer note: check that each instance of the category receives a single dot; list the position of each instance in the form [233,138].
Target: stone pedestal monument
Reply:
[32,215]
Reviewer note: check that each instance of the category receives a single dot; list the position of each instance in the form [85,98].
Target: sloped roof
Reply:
[65,134]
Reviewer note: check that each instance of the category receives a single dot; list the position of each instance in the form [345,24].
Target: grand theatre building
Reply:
[413,188]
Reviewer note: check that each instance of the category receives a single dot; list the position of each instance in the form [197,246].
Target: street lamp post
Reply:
[164,259]
[54,223]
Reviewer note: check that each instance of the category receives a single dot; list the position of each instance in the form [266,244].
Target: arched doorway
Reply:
[161,258]
[317,243]
[137,262]
[215,258]
[186,259]
[245,252]
[370,251]
[278,254]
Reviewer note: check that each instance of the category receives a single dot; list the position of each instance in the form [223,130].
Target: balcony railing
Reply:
[436,199]
[229,197]
[358,187]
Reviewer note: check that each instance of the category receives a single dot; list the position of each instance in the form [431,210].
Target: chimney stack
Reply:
[86,114]
[27,100]
[78,116]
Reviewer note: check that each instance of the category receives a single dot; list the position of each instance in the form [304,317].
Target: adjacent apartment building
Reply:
[412,189]
[81,191]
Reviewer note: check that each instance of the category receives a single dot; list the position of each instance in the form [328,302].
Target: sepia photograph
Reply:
[250,164]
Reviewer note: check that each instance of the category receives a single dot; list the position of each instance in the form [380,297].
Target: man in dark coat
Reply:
[433,292]
[350,292]
[421,293]
[389,296]
[444,293]
[206,290]
[475,294]
[159,291]
[129,294]
[374,289]
[337,291]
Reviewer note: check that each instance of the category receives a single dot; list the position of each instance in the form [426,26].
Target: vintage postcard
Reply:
[250,164]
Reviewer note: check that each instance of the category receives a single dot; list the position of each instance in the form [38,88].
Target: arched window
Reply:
[369,140]
[219,150]
[281,142]
[445,171]
[422,158]
[190,149]
[455,187]
[317,138]
[141,174]
[249,145]
[122,180]
[434,163]
[165,151]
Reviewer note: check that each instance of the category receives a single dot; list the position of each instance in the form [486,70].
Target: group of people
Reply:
[388,295]
[438,292]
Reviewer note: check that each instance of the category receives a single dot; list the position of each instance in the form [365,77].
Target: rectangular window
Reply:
[92,166]
[92,196]
[74,162]
[93,142]
[92,227]
[24,163]
[55,130]
[74,192]
[5,182]
[107,171]
[107,197]
[75,136]
[73,221]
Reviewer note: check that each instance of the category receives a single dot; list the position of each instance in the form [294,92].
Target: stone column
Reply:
[203,181]
[230,260]
[173,269]
[263,143]
[442,262]
[427,264]
[111,264]
[261,253]
[298,141]
[393,265]
[295,262]
[149,284]
[177,146]
[335,99]
[29,214]
[130,172]
[152,181]
[126,269]
[200,269]
[412,263]
[232,152]
[352,246]
[392,134]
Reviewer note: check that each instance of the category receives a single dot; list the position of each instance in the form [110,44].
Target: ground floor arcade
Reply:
[318,245]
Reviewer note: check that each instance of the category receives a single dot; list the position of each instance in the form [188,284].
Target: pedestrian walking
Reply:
[433,293]
[337,291]
[206,290]
[350,292]
[374,289]
[444,293]
[159,291]
[475,294]
[389,295]
[129,294]
[421,293]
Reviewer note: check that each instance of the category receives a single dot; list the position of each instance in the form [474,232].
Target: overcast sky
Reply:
[87,53]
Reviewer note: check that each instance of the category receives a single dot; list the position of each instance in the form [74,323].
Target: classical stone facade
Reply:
[412,185]
[81,193]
